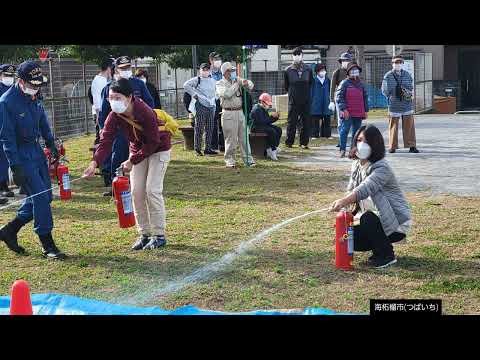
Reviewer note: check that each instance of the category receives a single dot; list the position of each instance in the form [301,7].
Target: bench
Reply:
[188,133]
[258,143]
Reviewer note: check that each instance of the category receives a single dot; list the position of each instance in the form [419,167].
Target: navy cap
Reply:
[204,66]
[8,69]
[123,61]
[31,72]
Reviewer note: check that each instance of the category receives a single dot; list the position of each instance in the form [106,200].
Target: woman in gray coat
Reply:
[381,212]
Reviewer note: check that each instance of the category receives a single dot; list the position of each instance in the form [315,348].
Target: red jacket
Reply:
[150,140]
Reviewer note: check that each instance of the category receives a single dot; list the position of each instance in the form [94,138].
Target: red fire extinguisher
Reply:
[64,182]
[344,240]
[123,200]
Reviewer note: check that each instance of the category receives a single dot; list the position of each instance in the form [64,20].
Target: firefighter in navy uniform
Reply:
[120,150]
[7,78]
[24,121]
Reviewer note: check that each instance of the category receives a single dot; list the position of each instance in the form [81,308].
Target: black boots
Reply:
[5,191]
[50,251]
[8,234]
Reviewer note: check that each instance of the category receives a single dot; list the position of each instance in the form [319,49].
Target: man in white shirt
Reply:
[98,83]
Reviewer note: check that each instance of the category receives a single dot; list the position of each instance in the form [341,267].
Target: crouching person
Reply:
[382,214]
[263,122]
[148,160]
[23,121]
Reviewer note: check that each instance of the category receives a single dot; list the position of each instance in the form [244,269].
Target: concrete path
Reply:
[448,162]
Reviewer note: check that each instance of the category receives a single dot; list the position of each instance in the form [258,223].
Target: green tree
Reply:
[19,53]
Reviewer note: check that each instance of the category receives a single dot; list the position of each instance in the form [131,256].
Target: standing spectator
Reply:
[352,102]
[99,82]
[263,122]
[319,111]
[202,89]
[7,77]
[397,86]
[229,90]
[382,214]
[338,76]
[218,142]
[298,79]
[148,160]
[143,75]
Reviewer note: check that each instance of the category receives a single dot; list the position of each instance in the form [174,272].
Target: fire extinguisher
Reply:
[64,181]
[123,199]
[344,240]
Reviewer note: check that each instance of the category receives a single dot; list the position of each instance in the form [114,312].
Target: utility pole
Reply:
[194,59]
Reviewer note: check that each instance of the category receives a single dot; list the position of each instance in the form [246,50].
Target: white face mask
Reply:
[29,91]
[7,81]
[217,63]
[297,58]
[126,74]
[355,73]
[204,73]
[345,64]
[118,106]
[144,80]
[363,150]
[397,67]
[322,74]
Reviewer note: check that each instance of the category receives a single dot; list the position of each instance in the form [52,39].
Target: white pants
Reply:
[147,193]
[233,125]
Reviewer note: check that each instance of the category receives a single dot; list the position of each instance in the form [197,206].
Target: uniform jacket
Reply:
[23,122]
[230,94]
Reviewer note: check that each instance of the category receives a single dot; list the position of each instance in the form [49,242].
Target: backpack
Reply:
[166,123]
[187,98]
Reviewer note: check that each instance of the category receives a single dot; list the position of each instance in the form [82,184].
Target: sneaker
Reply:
[141,242]
[274,155]
[391,151]
[210,152]
[253,164]
[381,263]
[338,145]
[231,165]
[289,146]
[414,150]
[342,153]
[156,242]
[305,147]
[108,193]
[269,153]
[198,153]
[53,253]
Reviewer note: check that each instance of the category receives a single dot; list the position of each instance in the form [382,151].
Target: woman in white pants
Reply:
[147,162]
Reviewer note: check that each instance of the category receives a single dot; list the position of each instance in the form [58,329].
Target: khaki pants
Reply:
[233,124]
[408,130]
[147,193]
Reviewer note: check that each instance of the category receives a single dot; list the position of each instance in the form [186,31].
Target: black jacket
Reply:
[154,92]
[298,84]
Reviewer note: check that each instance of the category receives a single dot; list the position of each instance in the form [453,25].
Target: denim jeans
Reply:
[344,129]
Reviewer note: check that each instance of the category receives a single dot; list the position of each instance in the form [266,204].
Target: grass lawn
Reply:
[212,209]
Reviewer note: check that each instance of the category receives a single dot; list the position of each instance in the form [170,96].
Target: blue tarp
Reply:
[56,304]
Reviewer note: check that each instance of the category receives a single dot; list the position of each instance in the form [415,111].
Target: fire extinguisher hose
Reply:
[32,196]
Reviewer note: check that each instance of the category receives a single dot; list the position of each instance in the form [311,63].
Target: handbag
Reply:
[401,92]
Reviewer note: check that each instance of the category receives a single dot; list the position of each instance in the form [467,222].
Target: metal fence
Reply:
[374,69]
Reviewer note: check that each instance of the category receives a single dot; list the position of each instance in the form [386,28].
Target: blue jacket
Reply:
[395,105]
[4,88]
[23,121]
[260,117]
[320,95]
[139,90]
